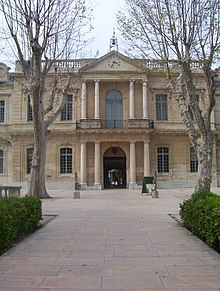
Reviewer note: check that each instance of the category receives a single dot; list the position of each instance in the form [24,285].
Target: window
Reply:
[29,155]
[193,161]
[1,161]
[67,111]
[2,111]
[163,160]
[161,107]
[65,161]
[29,109]
[114,109]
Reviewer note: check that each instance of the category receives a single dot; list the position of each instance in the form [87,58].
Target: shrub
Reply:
[18,217]
[201,215]
[33,213]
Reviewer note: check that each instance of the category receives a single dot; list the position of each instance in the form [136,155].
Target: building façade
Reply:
[120,122]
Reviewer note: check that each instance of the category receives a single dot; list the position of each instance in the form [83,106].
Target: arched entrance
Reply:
[114,168]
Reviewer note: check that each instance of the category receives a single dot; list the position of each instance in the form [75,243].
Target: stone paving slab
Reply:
[204,281]
[111,240]
[27,281]
[132,282]
[79,281]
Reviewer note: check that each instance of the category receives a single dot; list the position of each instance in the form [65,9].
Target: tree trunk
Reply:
[205,153]
[37,183]
[37,186]
[199,130]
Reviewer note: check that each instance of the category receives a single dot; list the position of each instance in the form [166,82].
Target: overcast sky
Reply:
[103,23]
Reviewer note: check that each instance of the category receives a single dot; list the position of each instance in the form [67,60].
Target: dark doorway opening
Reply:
[114,172]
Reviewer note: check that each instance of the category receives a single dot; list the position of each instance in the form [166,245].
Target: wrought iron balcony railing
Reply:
[115,124]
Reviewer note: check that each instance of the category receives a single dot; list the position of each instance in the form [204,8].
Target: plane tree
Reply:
[40,32]
[181,32]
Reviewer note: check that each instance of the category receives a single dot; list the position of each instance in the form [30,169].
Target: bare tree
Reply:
[184,31]
[41,32]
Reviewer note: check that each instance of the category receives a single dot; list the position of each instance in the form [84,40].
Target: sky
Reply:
[104,22]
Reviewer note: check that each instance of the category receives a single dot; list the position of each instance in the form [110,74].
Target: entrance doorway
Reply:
[114,168]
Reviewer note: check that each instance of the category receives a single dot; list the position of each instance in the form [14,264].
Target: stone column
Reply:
[145,105]
[83,103]
[146,159]
[131,100]
[83,165]
[97,183]
[97,116]
[132,182]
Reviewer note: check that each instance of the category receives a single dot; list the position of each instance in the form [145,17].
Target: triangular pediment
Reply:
[112,62]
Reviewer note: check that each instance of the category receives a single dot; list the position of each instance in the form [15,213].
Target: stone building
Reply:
[120,122]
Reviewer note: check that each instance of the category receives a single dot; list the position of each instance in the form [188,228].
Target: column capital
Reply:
[75,91]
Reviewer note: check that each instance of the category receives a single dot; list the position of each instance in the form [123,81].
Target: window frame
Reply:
[67,111]
[163,160]
[161,107]
[2,111]
[29,157]
[193,161]
[1,161]
[66,160]
[29,109]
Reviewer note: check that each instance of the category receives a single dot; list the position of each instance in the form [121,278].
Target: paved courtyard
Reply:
[111,240]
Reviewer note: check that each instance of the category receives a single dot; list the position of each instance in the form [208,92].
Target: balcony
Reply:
[114,124]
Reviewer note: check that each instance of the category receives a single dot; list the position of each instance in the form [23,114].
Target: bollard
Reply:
[76,194]
[155,194]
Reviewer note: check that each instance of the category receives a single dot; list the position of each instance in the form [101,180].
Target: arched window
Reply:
[1,162]
[163,160]
[66,161]
[114,109]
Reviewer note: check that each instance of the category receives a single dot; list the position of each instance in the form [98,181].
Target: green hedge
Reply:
[18,217]
[201,215]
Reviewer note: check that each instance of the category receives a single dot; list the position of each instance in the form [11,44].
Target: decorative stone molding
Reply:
[4,69]
[90,123]
[5,137]
[140,123]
